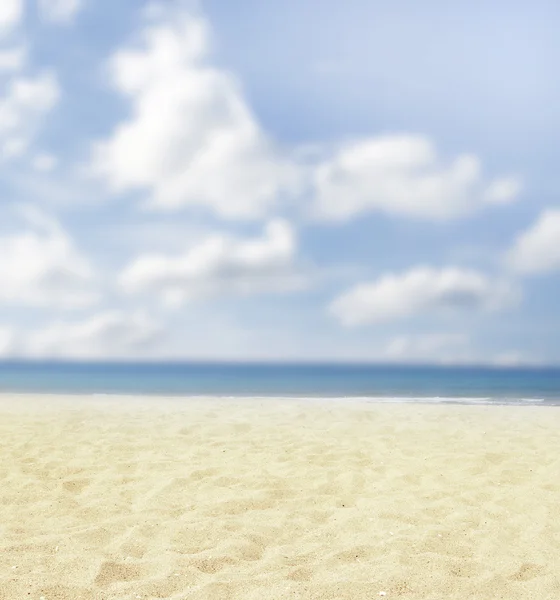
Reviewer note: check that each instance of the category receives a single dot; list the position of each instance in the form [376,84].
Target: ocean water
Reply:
[395,383]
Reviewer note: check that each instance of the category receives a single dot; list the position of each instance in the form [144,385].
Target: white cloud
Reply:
[220,264]
[11,12]
[503,191]
[403,175]
[44,162]
[13,59]
[428,347]
[537,250]
[7,342]
[39,266]
[59,11]
[27,99]
[418,291]
[191,139]
[513,358]
[14,147]
[449,349]
[110,334]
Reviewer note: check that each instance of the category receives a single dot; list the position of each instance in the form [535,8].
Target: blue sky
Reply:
[293,181]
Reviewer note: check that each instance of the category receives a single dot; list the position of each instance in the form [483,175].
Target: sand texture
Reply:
[267,499]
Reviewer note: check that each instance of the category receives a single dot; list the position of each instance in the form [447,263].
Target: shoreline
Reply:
[320,398]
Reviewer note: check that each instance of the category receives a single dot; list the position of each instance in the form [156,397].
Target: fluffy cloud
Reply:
[418,291]
[191,138]
[44,162]
[27,99]
[537,250]
[12,59]
[221,264]
[39,266]
[7,341]
[59,11]
[403,175]
[11,12]
[514,358]
[111,334]
[13,52]
[428,347]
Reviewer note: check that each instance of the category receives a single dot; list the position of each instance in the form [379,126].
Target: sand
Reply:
[117,498]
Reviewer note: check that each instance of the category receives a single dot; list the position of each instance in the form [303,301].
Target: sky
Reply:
[318,181]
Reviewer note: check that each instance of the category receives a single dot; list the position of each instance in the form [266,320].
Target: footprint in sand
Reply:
[528,571]
[112,572]
[75,485]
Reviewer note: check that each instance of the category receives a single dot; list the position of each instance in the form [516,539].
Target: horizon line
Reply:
[270,362]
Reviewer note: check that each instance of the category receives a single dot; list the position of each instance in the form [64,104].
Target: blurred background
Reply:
[365,181]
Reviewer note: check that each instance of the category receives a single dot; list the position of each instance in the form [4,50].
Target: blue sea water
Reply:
[396,383]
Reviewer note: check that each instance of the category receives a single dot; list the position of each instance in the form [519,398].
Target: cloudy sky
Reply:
[367,180]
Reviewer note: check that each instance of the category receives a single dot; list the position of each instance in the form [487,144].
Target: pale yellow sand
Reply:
[259,500]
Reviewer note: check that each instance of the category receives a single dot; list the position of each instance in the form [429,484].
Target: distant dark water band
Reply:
[395,383]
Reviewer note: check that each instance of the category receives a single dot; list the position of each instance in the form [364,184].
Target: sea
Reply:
[380,383]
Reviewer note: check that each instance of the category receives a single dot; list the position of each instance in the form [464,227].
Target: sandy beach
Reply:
[121,498]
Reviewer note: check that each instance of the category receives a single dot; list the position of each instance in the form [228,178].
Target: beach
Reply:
[115,497]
